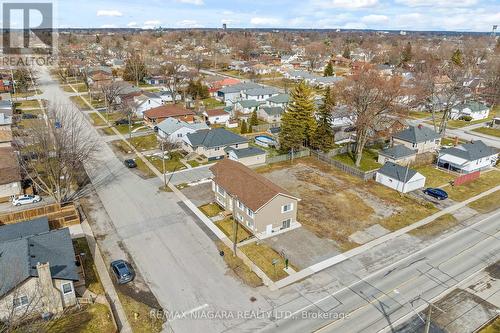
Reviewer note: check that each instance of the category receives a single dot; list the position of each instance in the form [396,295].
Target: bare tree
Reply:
[55,151]
[127,109]
[167,145]
[173,77]
[372,99]
[313,53]
[111,92]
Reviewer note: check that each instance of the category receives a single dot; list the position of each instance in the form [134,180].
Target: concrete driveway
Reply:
[190,175]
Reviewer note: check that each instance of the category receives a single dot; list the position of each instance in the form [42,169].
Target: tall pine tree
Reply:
[298,123]
[457,57]
[328,69]
[254,121]
[323,136]
[406,55]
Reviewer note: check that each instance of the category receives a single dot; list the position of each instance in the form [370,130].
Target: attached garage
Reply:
[399,178]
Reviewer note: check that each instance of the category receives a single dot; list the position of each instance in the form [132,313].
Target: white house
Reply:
[399,178]
[473,109]
[175,130]
[260,94]
[167,96]
[468,157]
[216,116]
[232,94]
[247,156]
[145,102]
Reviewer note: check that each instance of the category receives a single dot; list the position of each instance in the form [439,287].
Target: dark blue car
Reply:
[123,271]
[436,193]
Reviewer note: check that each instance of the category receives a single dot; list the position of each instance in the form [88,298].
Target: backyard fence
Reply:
[287,157]
[264,127]
[59,215]
[327,158]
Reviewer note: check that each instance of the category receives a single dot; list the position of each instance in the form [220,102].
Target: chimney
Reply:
[50,297]
[420,126]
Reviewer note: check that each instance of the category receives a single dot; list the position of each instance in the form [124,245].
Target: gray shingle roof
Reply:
[398,151]
[262,91]
[23,229]
[472,105]
[239,87]
[249,103]
[470,151]
[246,152]
[396,171]
[216,137]
[280,98]
[19,256]
[273,111]
[170,125]
[417,134]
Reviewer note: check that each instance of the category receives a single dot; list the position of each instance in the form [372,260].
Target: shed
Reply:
[399,178]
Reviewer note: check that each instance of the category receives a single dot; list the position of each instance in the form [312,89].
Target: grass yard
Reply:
[142,322]
[486,204]
[227,228]
[368,160]
[80,87]
[211,103]
[141,143]
[123,129]
[238,267]
[435,177]
[171,165]
[463,123]
[494,327]
[26,94]
[79,102]
[419,114]
[94,318]
[211,209]
[488,131]
[262,255]
[92,281]
[27,104]
[36,111]
[450,141]
[485,182]
[436,227]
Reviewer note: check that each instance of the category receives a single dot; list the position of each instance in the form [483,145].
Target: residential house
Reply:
[399,154]
[271,114]
[260,94]
[259,205]
[175,130]
[247,156]
[495,123]
[280,100]
[146,101]
[156,80]
[10,174]
[231,94]
[243,109]
[261,69]
[37,269]
[400,178]
[216,116]
[6,113]
[215,83]
[468,157]
[475,110]
[420,138]
[211,143]
[98,77]
[158,114]
[167,96]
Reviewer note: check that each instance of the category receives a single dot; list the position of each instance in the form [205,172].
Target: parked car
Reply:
[26,199]
[123,271]
[436,193]
[29,116]
[130,163]
[122,122]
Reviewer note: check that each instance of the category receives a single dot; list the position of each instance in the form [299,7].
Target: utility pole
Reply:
[235,225]
[428,320]
[163,163]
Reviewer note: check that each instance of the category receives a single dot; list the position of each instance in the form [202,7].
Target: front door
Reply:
[269,229]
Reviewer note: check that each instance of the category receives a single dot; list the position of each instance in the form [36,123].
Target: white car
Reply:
[26,199]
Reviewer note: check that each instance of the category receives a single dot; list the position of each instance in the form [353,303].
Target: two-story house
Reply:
[259,205]
[420,138]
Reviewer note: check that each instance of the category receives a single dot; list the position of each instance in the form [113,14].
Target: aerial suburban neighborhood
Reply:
[328,166]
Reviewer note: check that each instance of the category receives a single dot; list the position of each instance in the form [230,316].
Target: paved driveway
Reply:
[190,175]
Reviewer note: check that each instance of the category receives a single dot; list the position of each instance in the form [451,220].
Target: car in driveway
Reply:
[436,193]
[122,122]
[130,163]
[26,199]
[122,271]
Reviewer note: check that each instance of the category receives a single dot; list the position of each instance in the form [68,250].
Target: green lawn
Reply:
[435,177]
[226,226]
[485,182]
[450,141]
[420,114]
[92,281]
[98,121]
[368,160]
[487,204]
[463,123]
[36,111]
[488,131]
[123,129]
[27,104]
[211,103]
[138,315]
[172,164]
[211,209]
[238,267]
[26,94]
[146,142]
[262,255]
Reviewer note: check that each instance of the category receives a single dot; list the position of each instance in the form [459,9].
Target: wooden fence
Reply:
[327,158]
[287,157]
[59,215]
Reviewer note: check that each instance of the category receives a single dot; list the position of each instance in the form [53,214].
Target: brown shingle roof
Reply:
[216,112]
[252,189]
[167,110]
[9,166]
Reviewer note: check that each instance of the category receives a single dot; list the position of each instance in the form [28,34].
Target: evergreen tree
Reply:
[406,55]
[298,123]
[97,39]
[250,130]
[328,69]
[323,136]
[457,57]
[243,128]
[254,121]
[347,52]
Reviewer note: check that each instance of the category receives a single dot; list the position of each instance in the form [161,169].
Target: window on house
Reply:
[221,191]
[240,205]
[179,135]
[239,217]
[286,224]
[287,208]
[414,145]
[236,146]
[249,212]
[67,288]
[250,224]
[217,148]
[20,301]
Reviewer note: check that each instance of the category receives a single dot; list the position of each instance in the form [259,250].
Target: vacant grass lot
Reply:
[334,204]
[485,182]
[435,177]
[89,319]
[141,143]
[92,281]
[436,227]
[211,209]
[488,131]
[227,228]
[238,267]
[368,160]
[262,255]
[487,204]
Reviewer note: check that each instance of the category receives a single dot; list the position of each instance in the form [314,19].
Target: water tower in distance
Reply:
[224,26]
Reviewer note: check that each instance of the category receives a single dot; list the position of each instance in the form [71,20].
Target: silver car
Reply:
[26,199]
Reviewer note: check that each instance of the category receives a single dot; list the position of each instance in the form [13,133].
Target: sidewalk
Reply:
[121,317]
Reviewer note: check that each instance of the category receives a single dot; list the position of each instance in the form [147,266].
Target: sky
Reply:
[448,15]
